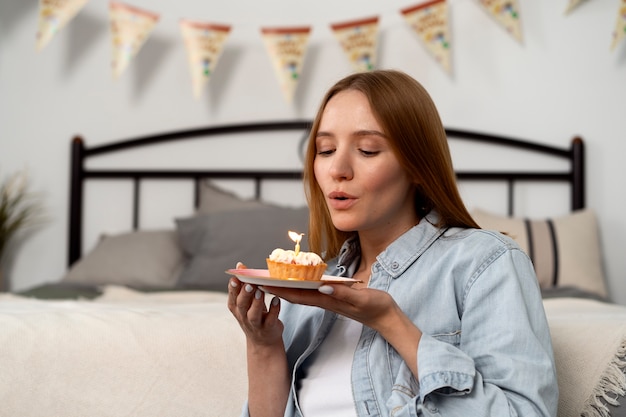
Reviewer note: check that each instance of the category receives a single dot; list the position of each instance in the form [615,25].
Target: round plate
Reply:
[262,277]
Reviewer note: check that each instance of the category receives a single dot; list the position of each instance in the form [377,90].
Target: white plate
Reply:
[262,277]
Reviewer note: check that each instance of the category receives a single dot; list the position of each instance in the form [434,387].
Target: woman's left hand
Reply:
[373,308]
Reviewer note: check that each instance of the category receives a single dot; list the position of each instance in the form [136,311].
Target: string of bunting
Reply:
[131,26]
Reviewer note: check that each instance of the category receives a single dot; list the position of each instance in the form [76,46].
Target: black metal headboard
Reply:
[573,175]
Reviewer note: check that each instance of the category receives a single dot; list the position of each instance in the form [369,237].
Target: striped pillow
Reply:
[565,250]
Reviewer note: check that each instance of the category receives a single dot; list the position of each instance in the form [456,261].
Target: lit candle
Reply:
[296,237]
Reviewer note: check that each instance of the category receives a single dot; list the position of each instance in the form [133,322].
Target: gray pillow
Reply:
[216,242]
[213,199]
[142,259]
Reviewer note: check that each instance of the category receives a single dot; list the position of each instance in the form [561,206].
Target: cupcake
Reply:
[286,264]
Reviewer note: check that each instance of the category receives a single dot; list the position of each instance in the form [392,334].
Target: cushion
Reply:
[216,242]
[565,250]
[139,259]
[214,199]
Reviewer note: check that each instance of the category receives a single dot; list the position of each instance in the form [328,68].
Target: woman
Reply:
[448,319]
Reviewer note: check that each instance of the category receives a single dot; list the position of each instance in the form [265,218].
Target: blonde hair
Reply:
[410,120]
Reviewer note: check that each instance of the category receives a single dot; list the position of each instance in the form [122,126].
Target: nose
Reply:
[341,167]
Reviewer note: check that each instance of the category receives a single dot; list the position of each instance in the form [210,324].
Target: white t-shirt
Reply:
[327,388]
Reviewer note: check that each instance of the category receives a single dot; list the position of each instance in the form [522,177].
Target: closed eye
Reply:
[368,153]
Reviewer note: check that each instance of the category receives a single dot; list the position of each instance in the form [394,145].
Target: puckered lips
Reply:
[340,200]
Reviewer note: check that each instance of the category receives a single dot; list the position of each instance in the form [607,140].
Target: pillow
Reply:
[214,199]
[139,259]
[565,250]
[216,242]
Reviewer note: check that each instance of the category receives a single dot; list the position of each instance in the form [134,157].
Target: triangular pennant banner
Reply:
[53,15]
[286,48]
[620,25]
[430,22]
[204,43]
[130,27]
[572,5]
[506,13]
[359,40]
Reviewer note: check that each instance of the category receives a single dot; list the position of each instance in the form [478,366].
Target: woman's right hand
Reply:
[268,376]
[247,303]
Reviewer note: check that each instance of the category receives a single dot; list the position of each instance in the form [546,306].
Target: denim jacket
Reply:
[485,349]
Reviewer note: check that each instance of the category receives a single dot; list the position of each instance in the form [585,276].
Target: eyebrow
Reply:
[364,132]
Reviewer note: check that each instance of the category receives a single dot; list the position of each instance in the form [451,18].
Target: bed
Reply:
[139,326]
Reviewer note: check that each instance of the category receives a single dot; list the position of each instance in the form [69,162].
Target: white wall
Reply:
[563,81]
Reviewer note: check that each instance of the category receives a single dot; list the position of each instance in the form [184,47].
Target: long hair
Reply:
[410,120]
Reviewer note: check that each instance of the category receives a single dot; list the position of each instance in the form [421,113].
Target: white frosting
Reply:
[290,257]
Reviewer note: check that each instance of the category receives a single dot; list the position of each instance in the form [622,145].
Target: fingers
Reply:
[256,308]
[245,299]
[240,265]
[361,304]
[239,298]
[272,317]
[342,293]
[260,324]
[326,289]
[234,286]
[247,303]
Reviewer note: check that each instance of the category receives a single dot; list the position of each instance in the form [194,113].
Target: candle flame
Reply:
[296,237]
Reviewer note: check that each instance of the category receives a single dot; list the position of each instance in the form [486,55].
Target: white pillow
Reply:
[565,250]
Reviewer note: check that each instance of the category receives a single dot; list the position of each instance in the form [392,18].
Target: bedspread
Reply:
[183,354]
[589,340]
[131,354]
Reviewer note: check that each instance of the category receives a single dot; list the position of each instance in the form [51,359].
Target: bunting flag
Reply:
[130,27]
[359,40]
[204,43]
[286,48]
[620,25]
[572,5]
[53,16]
[506,13]
[430,22]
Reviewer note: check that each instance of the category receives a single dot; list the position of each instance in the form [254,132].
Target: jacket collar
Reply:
[400,254]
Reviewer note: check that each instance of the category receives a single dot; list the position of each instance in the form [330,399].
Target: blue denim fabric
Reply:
[485,350]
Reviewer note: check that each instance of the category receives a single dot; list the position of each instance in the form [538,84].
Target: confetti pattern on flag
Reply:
[620,25]
[286,48]
[430,22]
[506,13]
[204,43]
[359,41]
[53,16]
[130,28]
